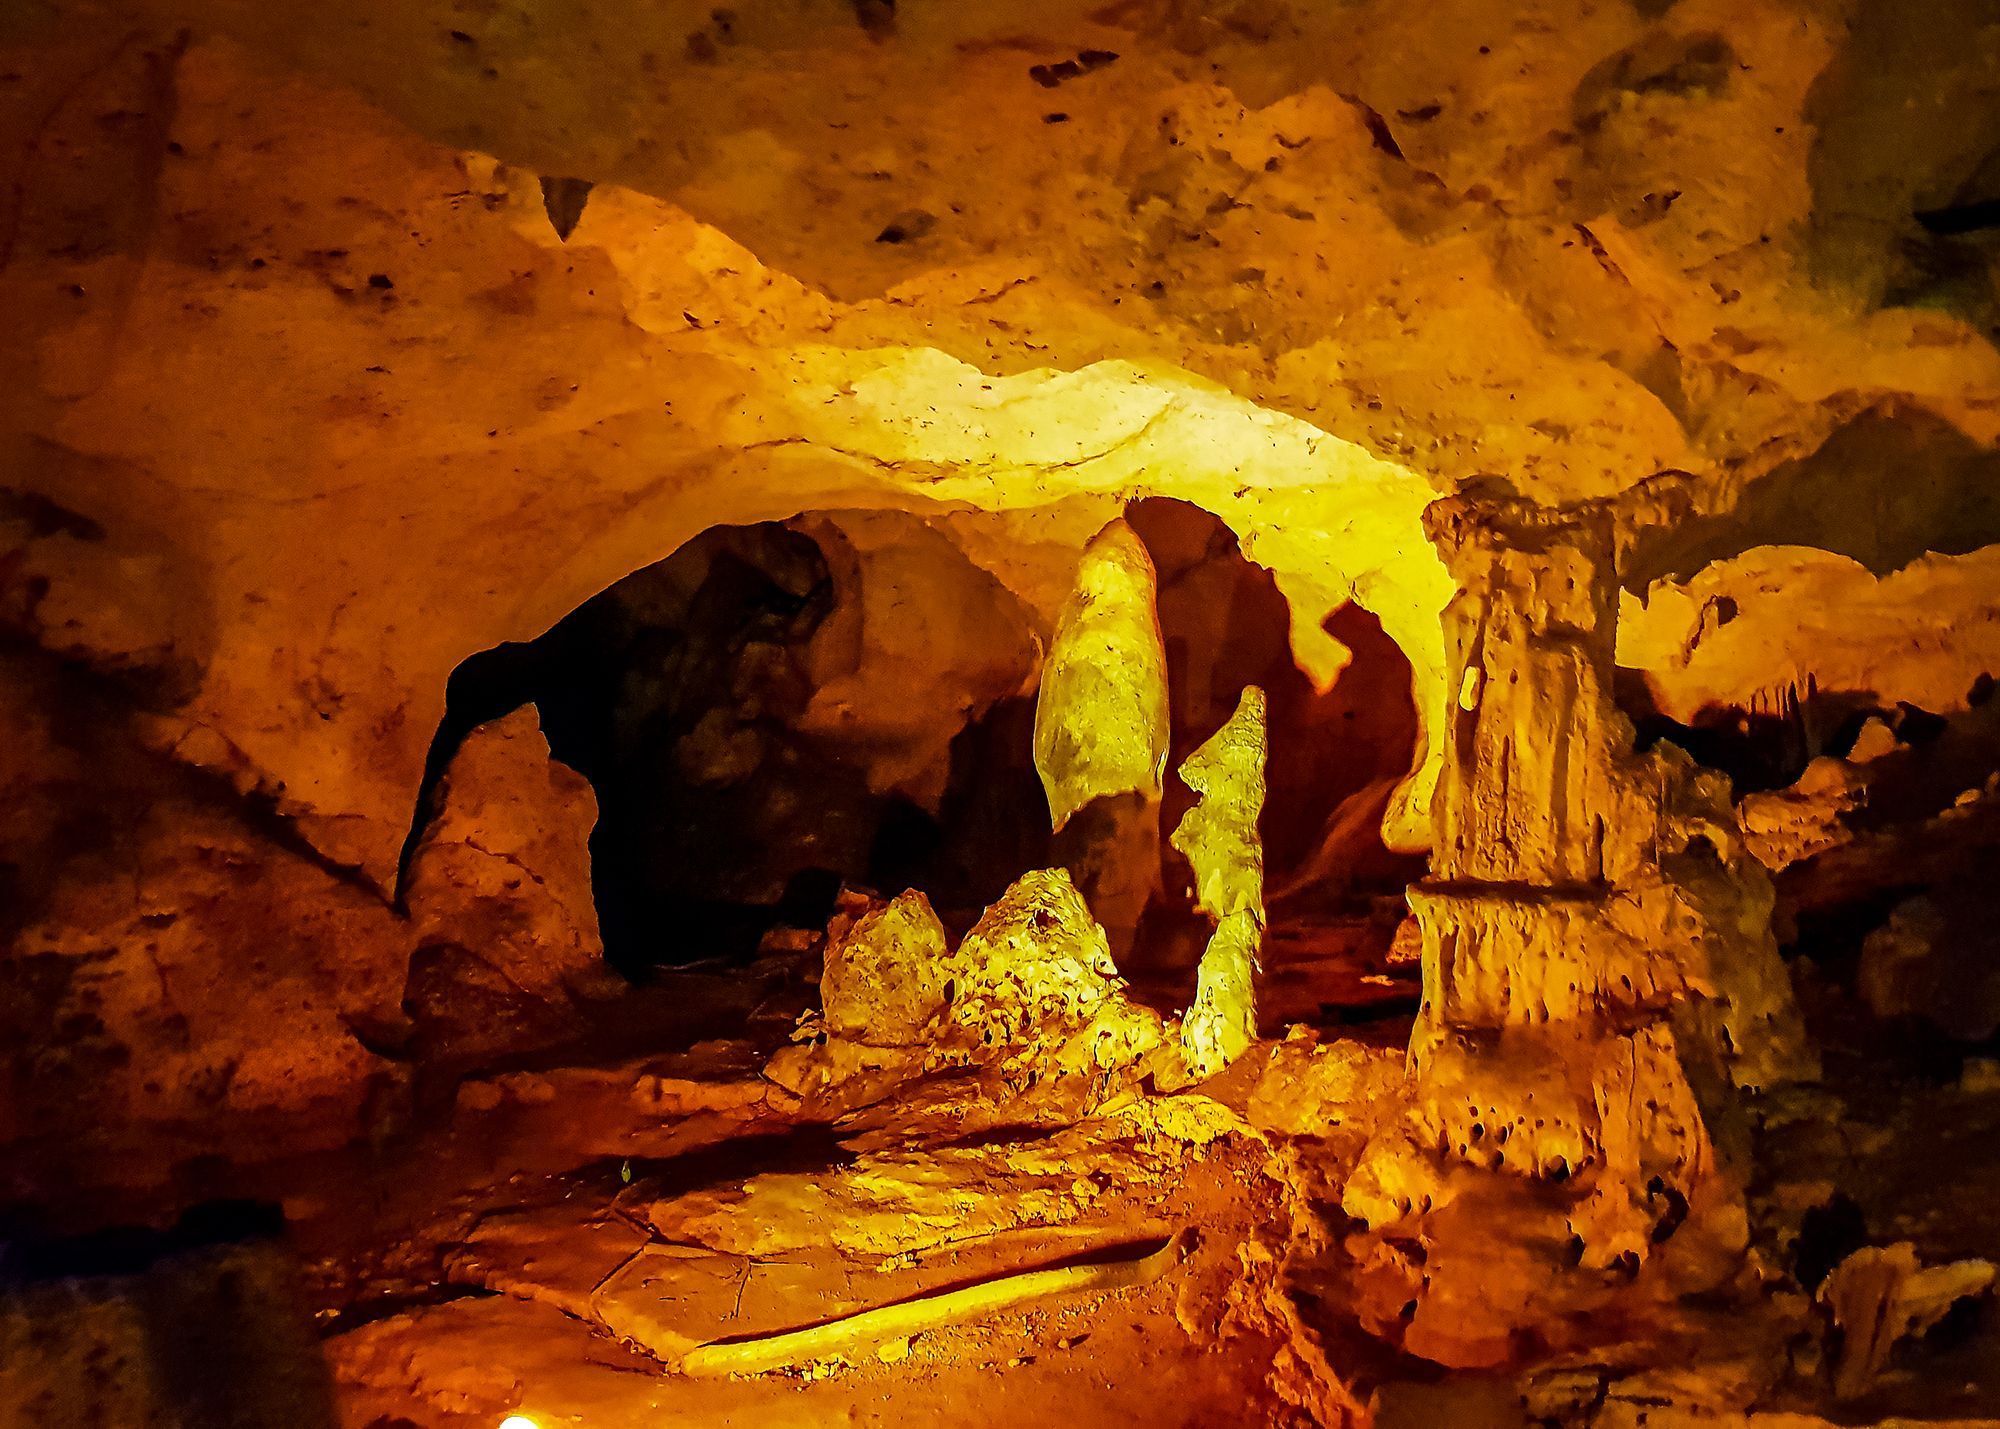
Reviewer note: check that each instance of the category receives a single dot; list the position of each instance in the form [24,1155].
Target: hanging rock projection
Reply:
[1101,721]
[1101,731]
[1219,837]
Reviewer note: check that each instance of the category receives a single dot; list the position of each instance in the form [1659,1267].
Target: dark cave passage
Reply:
[727,805]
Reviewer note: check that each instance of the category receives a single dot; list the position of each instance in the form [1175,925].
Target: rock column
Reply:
[1596,941]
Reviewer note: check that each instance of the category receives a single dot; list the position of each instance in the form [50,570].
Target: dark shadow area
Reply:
[679,693]
[1906,130]
[1888,487]
[203,1323]
[1766,746]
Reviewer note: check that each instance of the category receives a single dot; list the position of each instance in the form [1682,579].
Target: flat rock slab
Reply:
[671,1298]
[555,1254]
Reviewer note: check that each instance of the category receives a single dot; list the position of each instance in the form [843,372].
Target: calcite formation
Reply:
[1101,716]
[883,977]
[1101,730]
[1220,840]
[1030,994]
[1596,940]
[1880,1294]
[1033,990]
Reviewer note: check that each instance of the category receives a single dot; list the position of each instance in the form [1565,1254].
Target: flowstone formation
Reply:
[1101,730]
[1030,997]
[1219,838]
[1598,967]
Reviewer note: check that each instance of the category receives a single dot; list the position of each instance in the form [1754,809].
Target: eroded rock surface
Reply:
[1596,945]
[500,899]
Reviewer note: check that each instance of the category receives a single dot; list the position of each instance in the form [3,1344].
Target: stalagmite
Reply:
[1220,839]
[1101,731]
[884,975]
[1033,991]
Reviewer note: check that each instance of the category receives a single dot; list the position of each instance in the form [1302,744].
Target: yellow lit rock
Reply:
[1101,730]
[1223,1021]
[1219,837]
[1219,834]
[1101,719]
[884,976]
[1034,990]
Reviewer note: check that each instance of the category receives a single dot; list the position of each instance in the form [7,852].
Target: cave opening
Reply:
[746,766]
[758,747]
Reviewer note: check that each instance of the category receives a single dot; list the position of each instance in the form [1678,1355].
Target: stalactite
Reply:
[1101,731]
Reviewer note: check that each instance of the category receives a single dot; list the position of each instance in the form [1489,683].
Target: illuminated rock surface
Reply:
[885,974]
[1219,838]
[1101,717]
[359,347]
[1034,990]
[1596,940]
[1101,731]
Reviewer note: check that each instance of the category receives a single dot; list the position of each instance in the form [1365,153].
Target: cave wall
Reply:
[308,400]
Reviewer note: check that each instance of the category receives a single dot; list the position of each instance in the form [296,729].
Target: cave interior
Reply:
[1257,712]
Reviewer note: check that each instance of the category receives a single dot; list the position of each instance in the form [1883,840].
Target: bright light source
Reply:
[518,1421]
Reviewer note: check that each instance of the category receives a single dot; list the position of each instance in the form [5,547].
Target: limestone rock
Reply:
[1310,1087]
[1222,1022]
[1101,717]
[1785,826]
[1879,1294]
[547,1253]
[500,898]
[1934,960]
[920,642]
[884,977]
[1596,940]
[1219,835]
[1111,850]
[1101,731]
[152,992]
[1033,989]
[1220,839]
[109,1348]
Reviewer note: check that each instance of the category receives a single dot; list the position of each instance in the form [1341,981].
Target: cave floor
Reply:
[488,1254]
[469,1268]
[456,1291]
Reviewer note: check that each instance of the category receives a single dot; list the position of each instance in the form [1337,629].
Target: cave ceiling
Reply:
[295,281]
